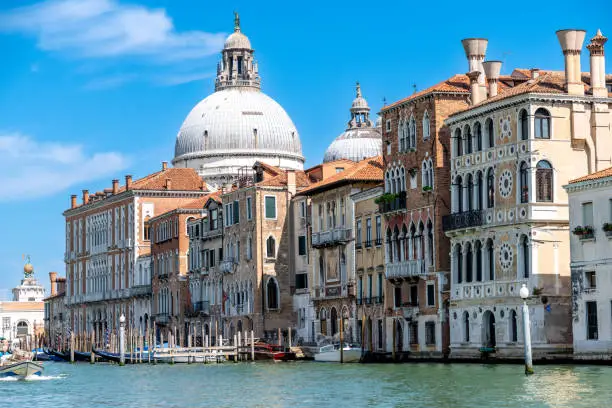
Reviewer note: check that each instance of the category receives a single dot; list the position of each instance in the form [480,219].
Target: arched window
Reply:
[272,294]
[542,124]
[425,174]
[321,271]
[524,257]
[479,191]
[323,320]
[470,193]
[490,188]
[513,326]
[490,133]
[458,143]
[431,173]
[544,181]
[490,260]
[412,133]
[397,181]
[430,243]
[401,136]
[389,246]
[478,137]
[426,126]
[466,326]
[469,263]
[22,329]
[467,135]
[458,263]
[459,189]
[405,241]
[271,247]
[524,182]
[403,179]
[478,253]
[524,125]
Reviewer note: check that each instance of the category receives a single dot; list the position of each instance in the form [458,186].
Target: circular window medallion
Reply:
[501,313]
[505,183]
[477,158]
[458,163]
[455,315]
[477,292]
[467,161]
[488,291]
[505,256]
[489,218]
[511,149]
[506,129]
[489,155]
[510,215]
[500,153]
[524,147]
[500,216]
[523,213]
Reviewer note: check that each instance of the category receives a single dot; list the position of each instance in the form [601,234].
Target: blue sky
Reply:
[91,90]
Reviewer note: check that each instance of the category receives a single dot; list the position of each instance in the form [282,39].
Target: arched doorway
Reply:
[399,336]
[240,326]
[22,329]
[369,334]
[488,327]
[333,324]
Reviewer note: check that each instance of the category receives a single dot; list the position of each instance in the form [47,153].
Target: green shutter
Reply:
[271,207]
[302,245]
[236,212]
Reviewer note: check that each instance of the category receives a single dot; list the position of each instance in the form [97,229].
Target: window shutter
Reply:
[270,207]
[302,245]
[236,212]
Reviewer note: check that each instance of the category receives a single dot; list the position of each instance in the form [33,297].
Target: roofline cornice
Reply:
[419,98]
[367,194]
[520,98]
[177,211]
[588,184]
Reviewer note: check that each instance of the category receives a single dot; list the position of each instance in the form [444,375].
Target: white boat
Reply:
[184,357]
[20,369]
[331,353]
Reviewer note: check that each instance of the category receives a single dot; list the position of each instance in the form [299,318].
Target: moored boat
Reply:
[331,353]
[265,351]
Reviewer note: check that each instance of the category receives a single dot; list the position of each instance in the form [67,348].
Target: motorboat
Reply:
[20,369]
[180,356]
[331,353]
[265,351]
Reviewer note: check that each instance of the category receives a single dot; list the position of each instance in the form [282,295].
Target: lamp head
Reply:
[122,318]
[524,292]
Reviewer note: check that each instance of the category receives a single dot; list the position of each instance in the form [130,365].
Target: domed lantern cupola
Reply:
[360,111]
[237,67]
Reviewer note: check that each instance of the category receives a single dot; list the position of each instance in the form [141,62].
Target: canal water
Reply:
[310,384]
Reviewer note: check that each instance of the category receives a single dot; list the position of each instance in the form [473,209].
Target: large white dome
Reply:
[227,132]
[238,121]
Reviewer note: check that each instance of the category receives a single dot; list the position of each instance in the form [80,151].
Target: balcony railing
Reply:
[405,269]
[398,203]
[211,234]
[465,219]
[162,318]
[140,290]
[201,308]
[227,265]
[331,237]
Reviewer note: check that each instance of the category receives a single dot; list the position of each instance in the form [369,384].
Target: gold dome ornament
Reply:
[28,268]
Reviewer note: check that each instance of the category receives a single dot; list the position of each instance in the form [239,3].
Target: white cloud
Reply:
[106,28]
[33,169]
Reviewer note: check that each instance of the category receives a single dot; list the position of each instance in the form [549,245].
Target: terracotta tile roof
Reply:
[301,180]
[196,204]
[366,170]
[181,179]
[594,176]
[455,84]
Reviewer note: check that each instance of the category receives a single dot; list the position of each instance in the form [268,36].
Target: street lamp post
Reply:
[524,292]
[122,340]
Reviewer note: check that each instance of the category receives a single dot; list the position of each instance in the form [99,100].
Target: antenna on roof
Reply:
[414,88]
[384,101]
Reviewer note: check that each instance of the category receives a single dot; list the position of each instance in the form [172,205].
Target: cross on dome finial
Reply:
[358,90]
[236,22]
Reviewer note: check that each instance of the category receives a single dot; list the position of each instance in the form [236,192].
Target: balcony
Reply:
[379,300]
[227,265]
[465,219]
[162,318]
[410,312]
[331,237]
[405,269]
[141,291]
[201,308]
[211,234]
[395,202]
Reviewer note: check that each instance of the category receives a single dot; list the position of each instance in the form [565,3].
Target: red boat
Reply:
[265,351]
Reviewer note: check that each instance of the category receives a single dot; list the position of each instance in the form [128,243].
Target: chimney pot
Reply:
[128,182]
[73,201]
[53,279]
[535,73]
[85,197]
[474,87]
[164,165]
[168,184]
[571,44]
[598,65]
[115,186]
[492,70]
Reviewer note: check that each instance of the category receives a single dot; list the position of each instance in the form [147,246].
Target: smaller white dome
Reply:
[360,103]
[237,40]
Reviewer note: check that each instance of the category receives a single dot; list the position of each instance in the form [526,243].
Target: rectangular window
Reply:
[302,245]
[380,287]
[397,301]
[236,212]
[590,280]
[388,125]
[370,288]
[301,280]
[214,222]
[360,288]
[431,294]
[249,208]
[339,169]
[414,295]
[591,311]
[378,231]
[414,333]
[302,209]
[358,232]
[587,214]
[369,232]
[220,257]
[430,333]
[270,202]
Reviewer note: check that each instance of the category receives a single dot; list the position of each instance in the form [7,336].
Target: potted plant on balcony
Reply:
[385,198]
[584,231]
[607,228]
[427,189]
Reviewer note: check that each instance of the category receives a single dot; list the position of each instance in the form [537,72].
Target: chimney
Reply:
[475,50]
[571,43]
[73,202]
[492,70]
[85,197]
[598,65]
[291,183]
[203,186]
[128,182]
[115,186]
[53,279]
[164,165]
[168,184]
[474,87]
[535,73]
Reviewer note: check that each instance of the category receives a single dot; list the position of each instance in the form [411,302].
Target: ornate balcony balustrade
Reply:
[398,203]
[405,269]
[465,219]
[330,237]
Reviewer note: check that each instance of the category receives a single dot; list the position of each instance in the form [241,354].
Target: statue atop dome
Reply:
[28,268]
[237,68]
[236,22]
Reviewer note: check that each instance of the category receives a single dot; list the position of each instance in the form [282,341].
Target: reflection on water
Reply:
[311,385]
